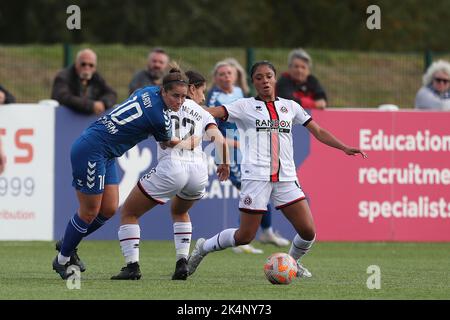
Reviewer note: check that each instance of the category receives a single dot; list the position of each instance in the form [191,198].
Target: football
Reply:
[280,268]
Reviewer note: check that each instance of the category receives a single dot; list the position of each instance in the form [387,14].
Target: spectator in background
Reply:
[2,158]
[299,84]
[157,63]
[240,75]
[81,88]
[6,97]
[435,93]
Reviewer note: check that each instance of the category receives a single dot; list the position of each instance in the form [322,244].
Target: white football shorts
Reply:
[185,179]
[255,195]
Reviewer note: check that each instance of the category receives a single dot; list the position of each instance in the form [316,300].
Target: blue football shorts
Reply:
[91,168]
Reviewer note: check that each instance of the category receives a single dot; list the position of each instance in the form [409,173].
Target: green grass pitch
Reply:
[408,271]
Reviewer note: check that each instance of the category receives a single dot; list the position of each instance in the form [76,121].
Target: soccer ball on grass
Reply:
[280,268]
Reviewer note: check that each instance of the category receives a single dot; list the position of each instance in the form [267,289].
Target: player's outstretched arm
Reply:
[223,169]
[217,112]
[188,144]
[327,138]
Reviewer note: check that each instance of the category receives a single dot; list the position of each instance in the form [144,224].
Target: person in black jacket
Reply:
[6,97]
[299,84]
[82,89]
[157,63]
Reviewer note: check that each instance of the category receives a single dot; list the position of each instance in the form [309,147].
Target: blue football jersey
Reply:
[216,97]
[141,115]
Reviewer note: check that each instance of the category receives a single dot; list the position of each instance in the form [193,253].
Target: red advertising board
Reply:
[400,193]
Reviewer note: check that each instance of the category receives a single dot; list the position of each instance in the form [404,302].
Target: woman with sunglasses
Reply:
[435,93]
[94,153]
[268,168]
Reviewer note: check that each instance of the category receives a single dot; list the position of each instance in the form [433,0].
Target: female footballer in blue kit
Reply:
[93,155]
[268,168]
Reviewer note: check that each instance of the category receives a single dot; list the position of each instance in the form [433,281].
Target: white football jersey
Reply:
[265,130]
[190,120]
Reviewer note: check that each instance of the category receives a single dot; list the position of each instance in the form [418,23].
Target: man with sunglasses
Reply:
[435,94]
[81,88]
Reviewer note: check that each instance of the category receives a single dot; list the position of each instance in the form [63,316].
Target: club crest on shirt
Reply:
[283,109]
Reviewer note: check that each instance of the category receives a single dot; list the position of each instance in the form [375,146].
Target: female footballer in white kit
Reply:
[268,168]
[181,175]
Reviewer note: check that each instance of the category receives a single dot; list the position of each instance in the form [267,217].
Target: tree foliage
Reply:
[407,25]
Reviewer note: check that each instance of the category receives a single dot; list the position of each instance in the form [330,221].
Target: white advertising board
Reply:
[27,184]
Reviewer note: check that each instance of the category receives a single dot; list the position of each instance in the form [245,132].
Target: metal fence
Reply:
[351,79]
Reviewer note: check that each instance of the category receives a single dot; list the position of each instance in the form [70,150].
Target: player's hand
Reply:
[187,144]
[223,171]
[99,107]
[172,143]
[354,151]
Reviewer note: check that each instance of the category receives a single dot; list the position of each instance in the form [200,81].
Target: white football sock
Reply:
[300,247]
[268,230]
[62,259]
[220,241]
[182,232]
[129,236]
